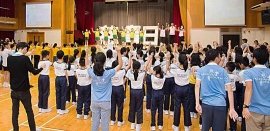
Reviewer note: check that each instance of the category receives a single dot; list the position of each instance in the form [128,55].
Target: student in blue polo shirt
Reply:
[101,90]
[256,107]
[210,82]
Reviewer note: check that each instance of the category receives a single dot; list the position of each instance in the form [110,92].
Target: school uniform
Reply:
[72,84]
[157,100]
[181,90]
[233,78]
[84,91]
[66,54]
[5,54]
[243,84]
[136,97]
[60,84]
[239,93]
[109,62]
[44,85]
[117,95]
[169,89]
[212,93]
[182,35]
[172,34]
[162,35]
[260,101]
[124,62]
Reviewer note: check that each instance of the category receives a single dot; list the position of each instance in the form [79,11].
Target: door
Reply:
[35,36]
[235,38]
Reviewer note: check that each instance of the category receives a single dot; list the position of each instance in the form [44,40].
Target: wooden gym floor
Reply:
[68,122]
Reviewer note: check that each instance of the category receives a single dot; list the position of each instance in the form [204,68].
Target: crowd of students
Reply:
[214,82]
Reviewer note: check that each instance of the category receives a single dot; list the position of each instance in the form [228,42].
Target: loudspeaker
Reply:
[265,17]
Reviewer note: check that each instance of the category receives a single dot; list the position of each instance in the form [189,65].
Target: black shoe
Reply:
[31,86]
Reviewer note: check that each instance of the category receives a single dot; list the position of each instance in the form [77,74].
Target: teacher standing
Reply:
[19,65]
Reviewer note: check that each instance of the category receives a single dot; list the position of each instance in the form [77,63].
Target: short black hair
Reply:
[123,49]
[211,55]
[245,40]
[60,54]
[244,61]
[44,53]
[261,54]
[230,66]
[21,45]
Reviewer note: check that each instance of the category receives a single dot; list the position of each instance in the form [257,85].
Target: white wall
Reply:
[254,34]
[205,36]
[267,35]
[51,36]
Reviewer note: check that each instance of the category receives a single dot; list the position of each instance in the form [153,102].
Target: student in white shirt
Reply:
[181,33]
[172,33]
[118,93]
[136,77]
[181,89]
[230,67]
[71,80]
[44,83]
[61,82]
[77,58]
[84,88]
[110,59]
[124,58]
[5,53]
[162,34]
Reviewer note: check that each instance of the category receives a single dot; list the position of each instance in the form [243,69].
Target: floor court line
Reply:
[52,129]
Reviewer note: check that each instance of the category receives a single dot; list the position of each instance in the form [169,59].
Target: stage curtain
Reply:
[266,0]
[6,34]
[10,4]
[176,18]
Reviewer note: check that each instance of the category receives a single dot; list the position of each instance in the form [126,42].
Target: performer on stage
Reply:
[123,35]
[97,35]
[86,36]
[115,34]
[162,34]
[172,32]
[141,36]
[132,35]
[106,36]
[181,33]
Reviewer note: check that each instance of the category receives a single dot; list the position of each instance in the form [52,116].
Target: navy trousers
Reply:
[43,91]
[192,101]
[148,91]
[61,89]
[157,103]
[181,98]
[36,61]
[71,88]
[169,94]
[243,125]
[213,116]
[136,106]
[117,100]
[239,98]
[84,96]
[233,126]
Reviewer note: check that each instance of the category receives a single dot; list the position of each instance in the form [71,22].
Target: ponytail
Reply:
[161,55]
[98,68]
[136,66]
[43,45]
[136,74]
[185,65]
[69,65]
[183,61]
[93,50]
[71,60]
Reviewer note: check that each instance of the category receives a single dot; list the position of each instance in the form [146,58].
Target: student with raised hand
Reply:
[256,107]
[101,90]
[118,92]
[71,88]
[209,87]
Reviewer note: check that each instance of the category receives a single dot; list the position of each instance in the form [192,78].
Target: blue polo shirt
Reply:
[101,88]
[213,79]
[260,100]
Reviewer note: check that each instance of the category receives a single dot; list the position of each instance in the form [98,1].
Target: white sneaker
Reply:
[77,93]
[200,127]
[187,128]
[120,123]
[175,128]
[63,112]
[195,115]
[152,128]
[112,123]
[132,126]
[191,115]
[85,117]
[160,128]
[58,111]
[67,102]
[147,111]
[79,116]
[125,99]
[138,127]
[74,103]
[39,110]
[144,98]
[166,112]
[46,110]
[171,113]
[38,129]
[8,85]
[239,119]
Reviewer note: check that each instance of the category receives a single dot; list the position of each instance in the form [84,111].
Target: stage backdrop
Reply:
[133,13]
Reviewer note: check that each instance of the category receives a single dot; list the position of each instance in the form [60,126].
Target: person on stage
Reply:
[181,33]
[86,36]
[106,36]
[115,34]
[132,35]
[172,29]
[123,35]
[97,35]
[162,34]
[141,36]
